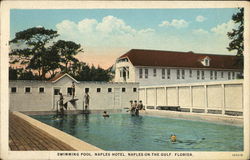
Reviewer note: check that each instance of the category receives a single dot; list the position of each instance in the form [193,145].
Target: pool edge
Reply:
[72,141]
[218,119]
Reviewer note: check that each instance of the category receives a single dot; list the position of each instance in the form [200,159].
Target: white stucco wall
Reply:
[158,80]
[119,66]
[220,95]
[35,101]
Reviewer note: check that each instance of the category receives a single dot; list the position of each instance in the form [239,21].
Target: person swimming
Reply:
[105,114]
[173,138]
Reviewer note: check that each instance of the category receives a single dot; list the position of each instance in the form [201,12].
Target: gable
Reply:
[63,77]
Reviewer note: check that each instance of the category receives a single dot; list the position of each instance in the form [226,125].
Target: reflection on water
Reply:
[86,121]
[123,132]
[135,131]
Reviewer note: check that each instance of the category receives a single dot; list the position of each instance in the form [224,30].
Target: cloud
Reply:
[87,25]
[200,31]
[114,25]
[112,35]
[109,31]
[145,31]
[223,28]
[181,23]
[200,18]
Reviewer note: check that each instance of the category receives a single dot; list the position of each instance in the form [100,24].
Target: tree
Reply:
[34,49]
[67,50]
[93,74]
[236,36]
[13,74]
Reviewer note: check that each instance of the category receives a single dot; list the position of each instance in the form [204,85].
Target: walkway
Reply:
[25,137]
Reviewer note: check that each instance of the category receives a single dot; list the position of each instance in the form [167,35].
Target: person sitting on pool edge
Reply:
[105,114]
[136,112]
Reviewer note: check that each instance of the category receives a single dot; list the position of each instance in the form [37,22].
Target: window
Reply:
[56,91]
[146,73]
[13,90]
[98,89]
[163,73]
[134,89]
[178,74]
[183,74]
[109,89]
[206,62]
[41,90]
[211,75]
[140,73]
[202,75]
[190,73]
[215,74]
[27,89]
[229,75]
[123,89]
[198,74]
[128,73]
[168,73]
[222,74]
[86,90]
[233,76]
[69,91]
[154,72]
[120,73]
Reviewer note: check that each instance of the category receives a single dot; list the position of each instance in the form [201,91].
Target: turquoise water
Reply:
[123,132]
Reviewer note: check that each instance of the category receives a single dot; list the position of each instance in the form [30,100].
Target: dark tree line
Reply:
[40,57]
[236,37]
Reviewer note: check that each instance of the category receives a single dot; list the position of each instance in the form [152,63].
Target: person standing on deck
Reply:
[73,90]
[86,101]
[61,103]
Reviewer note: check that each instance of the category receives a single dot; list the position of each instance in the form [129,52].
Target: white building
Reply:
[152,67]
[33,95]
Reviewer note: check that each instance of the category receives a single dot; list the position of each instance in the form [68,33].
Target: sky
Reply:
[106,34]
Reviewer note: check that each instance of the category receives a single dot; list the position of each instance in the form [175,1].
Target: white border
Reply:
[5,33]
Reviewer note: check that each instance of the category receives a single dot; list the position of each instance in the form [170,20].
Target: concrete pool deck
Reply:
[26,133]
[213,118]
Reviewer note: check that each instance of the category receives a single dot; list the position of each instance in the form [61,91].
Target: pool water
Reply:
[123,132]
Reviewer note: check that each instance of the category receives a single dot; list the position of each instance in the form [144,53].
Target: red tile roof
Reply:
[139,57]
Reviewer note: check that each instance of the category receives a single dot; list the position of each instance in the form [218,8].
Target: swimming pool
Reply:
[123,132]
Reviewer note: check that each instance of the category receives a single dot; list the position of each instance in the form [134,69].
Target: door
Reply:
[56,91]
[117,98]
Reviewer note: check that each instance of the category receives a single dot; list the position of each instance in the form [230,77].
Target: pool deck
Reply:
[213,118]
[25,137]
[28,134]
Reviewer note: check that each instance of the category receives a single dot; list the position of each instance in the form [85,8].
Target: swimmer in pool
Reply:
[105,114]
[173,138]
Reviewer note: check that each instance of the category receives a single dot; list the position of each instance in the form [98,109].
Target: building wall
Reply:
[35,101]
[21,101]
[152,79]
[158,80]
[119,66]
[221,95]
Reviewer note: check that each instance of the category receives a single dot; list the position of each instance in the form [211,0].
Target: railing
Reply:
[221,97]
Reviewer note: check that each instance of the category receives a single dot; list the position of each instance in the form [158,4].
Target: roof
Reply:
[139,57]
[60,76]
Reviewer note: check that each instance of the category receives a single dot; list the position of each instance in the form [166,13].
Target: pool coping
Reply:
[72,141]
[213,118]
